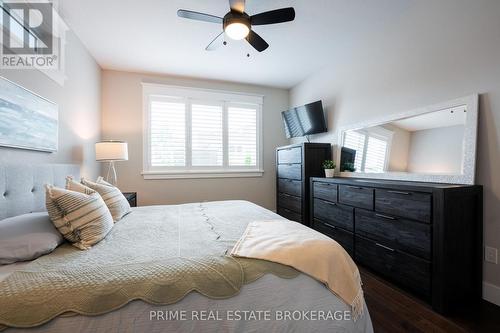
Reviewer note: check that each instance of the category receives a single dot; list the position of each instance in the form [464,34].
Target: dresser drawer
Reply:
[290,171]
[289,186]
[357,196]
[405,235]
[343,237]
[335,214]
[412,205]
[288,214]
[409,271]
[290,202]
[325,191]
[290,155]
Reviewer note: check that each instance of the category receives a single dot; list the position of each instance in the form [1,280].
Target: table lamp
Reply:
[111,151]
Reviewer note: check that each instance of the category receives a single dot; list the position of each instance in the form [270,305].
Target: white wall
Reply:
[122,120]
[437,150]
[434,52]
[79,109]
[400,146]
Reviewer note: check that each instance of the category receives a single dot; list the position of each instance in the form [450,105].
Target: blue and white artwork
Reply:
[27,120]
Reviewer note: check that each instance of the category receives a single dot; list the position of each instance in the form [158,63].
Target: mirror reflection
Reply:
[429,143]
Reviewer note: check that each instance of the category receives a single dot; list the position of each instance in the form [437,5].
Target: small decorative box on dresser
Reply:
[131,198]
[425,237]
[295,164]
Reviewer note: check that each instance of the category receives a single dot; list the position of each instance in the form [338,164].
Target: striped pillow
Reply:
[117,203]
[82,218]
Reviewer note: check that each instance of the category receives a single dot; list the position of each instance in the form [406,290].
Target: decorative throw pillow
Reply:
[82,218]
[117,203]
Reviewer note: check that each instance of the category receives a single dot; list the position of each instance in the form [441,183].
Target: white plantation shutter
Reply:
[206,135]
[356,140]
[168,133]
[375,155]
[200,133]
[242,136]
[371,149]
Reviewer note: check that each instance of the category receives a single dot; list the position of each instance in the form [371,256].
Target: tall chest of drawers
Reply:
[427,238]
[295,165]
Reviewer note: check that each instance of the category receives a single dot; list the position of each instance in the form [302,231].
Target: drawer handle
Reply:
[386,217]
[331,203]
[329,225]
[384,247]
[399,192]
[355,187]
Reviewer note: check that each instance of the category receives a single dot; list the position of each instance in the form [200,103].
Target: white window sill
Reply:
[194,174]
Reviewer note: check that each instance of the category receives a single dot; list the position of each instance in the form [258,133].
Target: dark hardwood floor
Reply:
[393,310]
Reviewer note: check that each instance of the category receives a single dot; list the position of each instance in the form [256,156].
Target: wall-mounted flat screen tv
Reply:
[304,120]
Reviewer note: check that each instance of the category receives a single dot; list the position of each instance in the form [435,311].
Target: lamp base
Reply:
[111,175]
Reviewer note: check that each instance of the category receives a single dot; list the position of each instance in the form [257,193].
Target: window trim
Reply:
[211,96]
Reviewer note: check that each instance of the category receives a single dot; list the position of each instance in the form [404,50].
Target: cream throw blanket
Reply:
[295,245]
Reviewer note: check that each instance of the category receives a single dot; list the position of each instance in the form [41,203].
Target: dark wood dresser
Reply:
[295,165]
[427,238]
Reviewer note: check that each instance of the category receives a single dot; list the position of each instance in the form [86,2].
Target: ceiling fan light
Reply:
[237,30]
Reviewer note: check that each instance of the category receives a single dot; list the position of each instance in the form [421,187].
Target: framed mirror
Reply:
[433,144]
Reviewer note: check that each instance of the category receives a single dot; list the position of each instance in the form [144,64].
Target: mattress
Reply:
[270,303]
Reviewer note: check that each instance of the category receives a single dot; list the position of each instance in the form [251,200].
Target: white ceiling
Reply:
[445,118]
[147,36]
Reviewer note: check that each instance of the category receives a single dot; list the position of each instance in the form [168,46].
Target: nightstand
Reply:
[131,198]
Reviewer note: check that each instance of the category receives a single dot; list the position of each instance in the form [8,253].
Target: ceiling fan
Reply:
[238,25]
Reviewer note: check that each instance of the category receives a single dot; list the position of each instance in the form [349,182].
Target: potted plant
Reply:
[329,167]
[348,166]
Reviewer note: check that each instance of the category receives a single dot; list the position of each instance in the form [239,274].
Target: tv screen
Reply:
[347,155]
[304,120]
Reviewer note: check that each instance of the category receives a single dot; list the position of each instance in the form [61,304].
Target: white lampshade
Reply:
[111,151]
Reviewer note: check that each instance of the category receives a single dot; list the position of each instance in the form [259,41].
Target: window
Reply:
[372,148]
[242,136]
[206,135]
[375,155]
[194,133]
[168,132]
[356,140]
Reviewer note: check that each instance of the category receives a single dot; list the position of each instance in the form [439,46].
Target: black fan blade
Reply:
[218,41]
[256,41]
[274,16]
[237,5]
[198,16]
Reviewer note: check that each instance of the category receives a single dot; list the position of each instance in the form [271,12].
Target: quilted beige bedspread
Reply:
[158,254]
[293,244]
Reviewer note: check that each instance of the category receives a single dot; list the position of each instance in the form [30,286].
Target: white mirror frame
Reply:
[469,145]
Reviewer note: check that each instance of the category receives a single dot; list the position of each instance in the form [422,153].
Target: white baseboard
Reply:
[491,293]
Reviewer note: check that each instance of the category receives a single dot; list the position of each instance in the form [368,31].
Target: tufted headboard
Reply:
[22,186]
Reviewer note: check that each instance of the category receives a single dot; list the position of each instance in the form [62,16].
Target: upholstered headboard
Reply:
[22,186]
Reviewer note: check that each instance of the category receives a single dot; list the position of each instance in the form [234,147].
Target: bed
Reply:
[229,296]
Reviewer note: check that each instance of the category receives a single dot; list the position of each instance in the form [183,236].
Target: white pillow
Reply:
[115,200]
[27,237]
